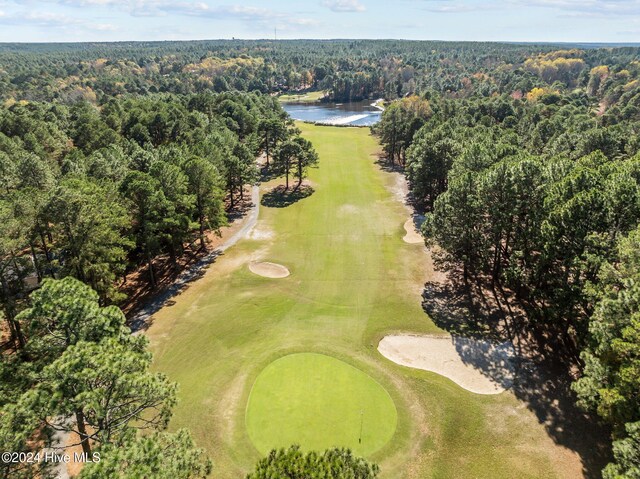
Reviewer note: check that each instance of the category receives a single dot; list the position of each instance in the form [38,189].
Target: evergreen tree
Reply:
[293,463]
[204,185]
[107,390]
[159,455]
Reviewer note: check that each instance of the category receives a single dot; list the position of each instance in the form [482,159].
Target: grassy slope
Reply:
[309,97]
[318,402]
[353,280]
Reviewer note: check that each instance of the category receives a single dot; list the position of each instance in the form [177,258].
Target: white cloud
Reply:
[303,22]
[596,8]
[453,8]
[160,8]
[40,19]
[53,21]
[247,14]
[590,7]
[344,5]
[105,27]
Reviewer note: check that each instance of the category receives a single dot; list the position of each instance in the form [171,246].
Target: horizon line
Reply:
[234,39]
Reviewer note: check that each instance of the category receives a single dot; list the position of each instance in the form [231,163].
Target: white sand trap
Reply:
[413,236]
[269,270]
[478,366]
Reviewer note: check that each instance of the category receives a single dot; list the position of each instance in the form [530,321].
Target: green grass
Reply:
[352,281]
[309,97]
[318,402]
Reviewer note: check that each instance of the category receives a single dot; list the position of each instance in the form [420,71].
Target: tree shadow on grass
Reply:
[268,173]
[403,193]
[279,197]
[543,374]
[386,165]
[143,318]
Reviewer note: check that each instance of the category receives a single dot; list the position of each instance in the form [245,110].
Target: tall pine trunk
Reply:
[232,201]
[47,254]
[10,314]
[36,263]
[152,276]
[82,430]
[200,206]
[203,245]
[287,167]
[19,335]
[299,174]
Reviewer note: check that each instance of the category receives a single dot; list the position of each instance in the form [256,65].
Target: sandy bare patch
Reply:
[347,209]
[413,236]
[399,188]
[230,402]
[269,270]
[73,447]
[478,366]
[261,233]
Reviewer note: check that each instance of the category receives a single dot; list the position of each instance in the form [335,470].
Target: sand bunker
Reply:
[478,366]
[413,236]
[268,270]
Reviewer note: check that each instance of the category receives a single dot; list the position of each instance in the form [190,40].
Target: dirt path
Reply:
[140,320]
[59,442]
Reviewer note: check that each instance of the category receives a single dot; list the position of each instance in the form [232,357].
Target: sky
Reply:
[613,21]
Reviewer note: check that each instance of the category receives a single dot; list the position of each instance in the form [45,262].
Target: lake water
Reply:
[356,113]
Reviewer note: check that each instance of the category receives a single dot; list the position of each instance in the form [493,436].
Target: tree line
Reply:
[94,193]
[538,193]
[87,195]
[524,158]
[347,69]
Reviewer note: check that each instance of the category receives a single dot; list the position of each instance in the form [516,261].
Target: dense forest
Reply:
[88,195]
[348,69]
[534,191]
[525,160]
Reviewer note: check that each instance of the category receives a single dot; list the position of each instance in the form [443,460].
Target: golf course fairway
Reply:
[353,280]
[318,402]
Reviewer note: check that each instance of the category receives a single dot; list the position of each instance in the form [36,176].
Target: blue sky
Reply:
[507,20]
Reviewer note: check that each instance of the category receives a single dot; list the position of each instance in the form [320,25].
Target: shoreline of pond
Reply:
[358,114]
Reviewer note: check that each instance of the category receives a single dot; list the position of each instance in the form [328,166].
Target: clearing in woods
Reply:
[353,280]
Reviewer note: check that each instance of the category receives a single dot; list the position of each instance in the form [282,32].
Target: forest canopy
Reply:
[524,159]
[533,191]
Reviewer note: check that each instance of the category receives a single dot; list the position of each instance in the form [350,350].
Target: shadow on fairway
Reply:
[279,197]
[386,165]
[474,309]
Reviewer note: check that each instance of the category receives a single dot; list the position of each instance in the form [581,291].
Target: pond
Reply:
[361,113]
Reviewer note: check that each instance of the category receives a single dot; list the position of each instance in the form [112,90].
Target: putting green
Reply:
[354,282]
[318,402]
